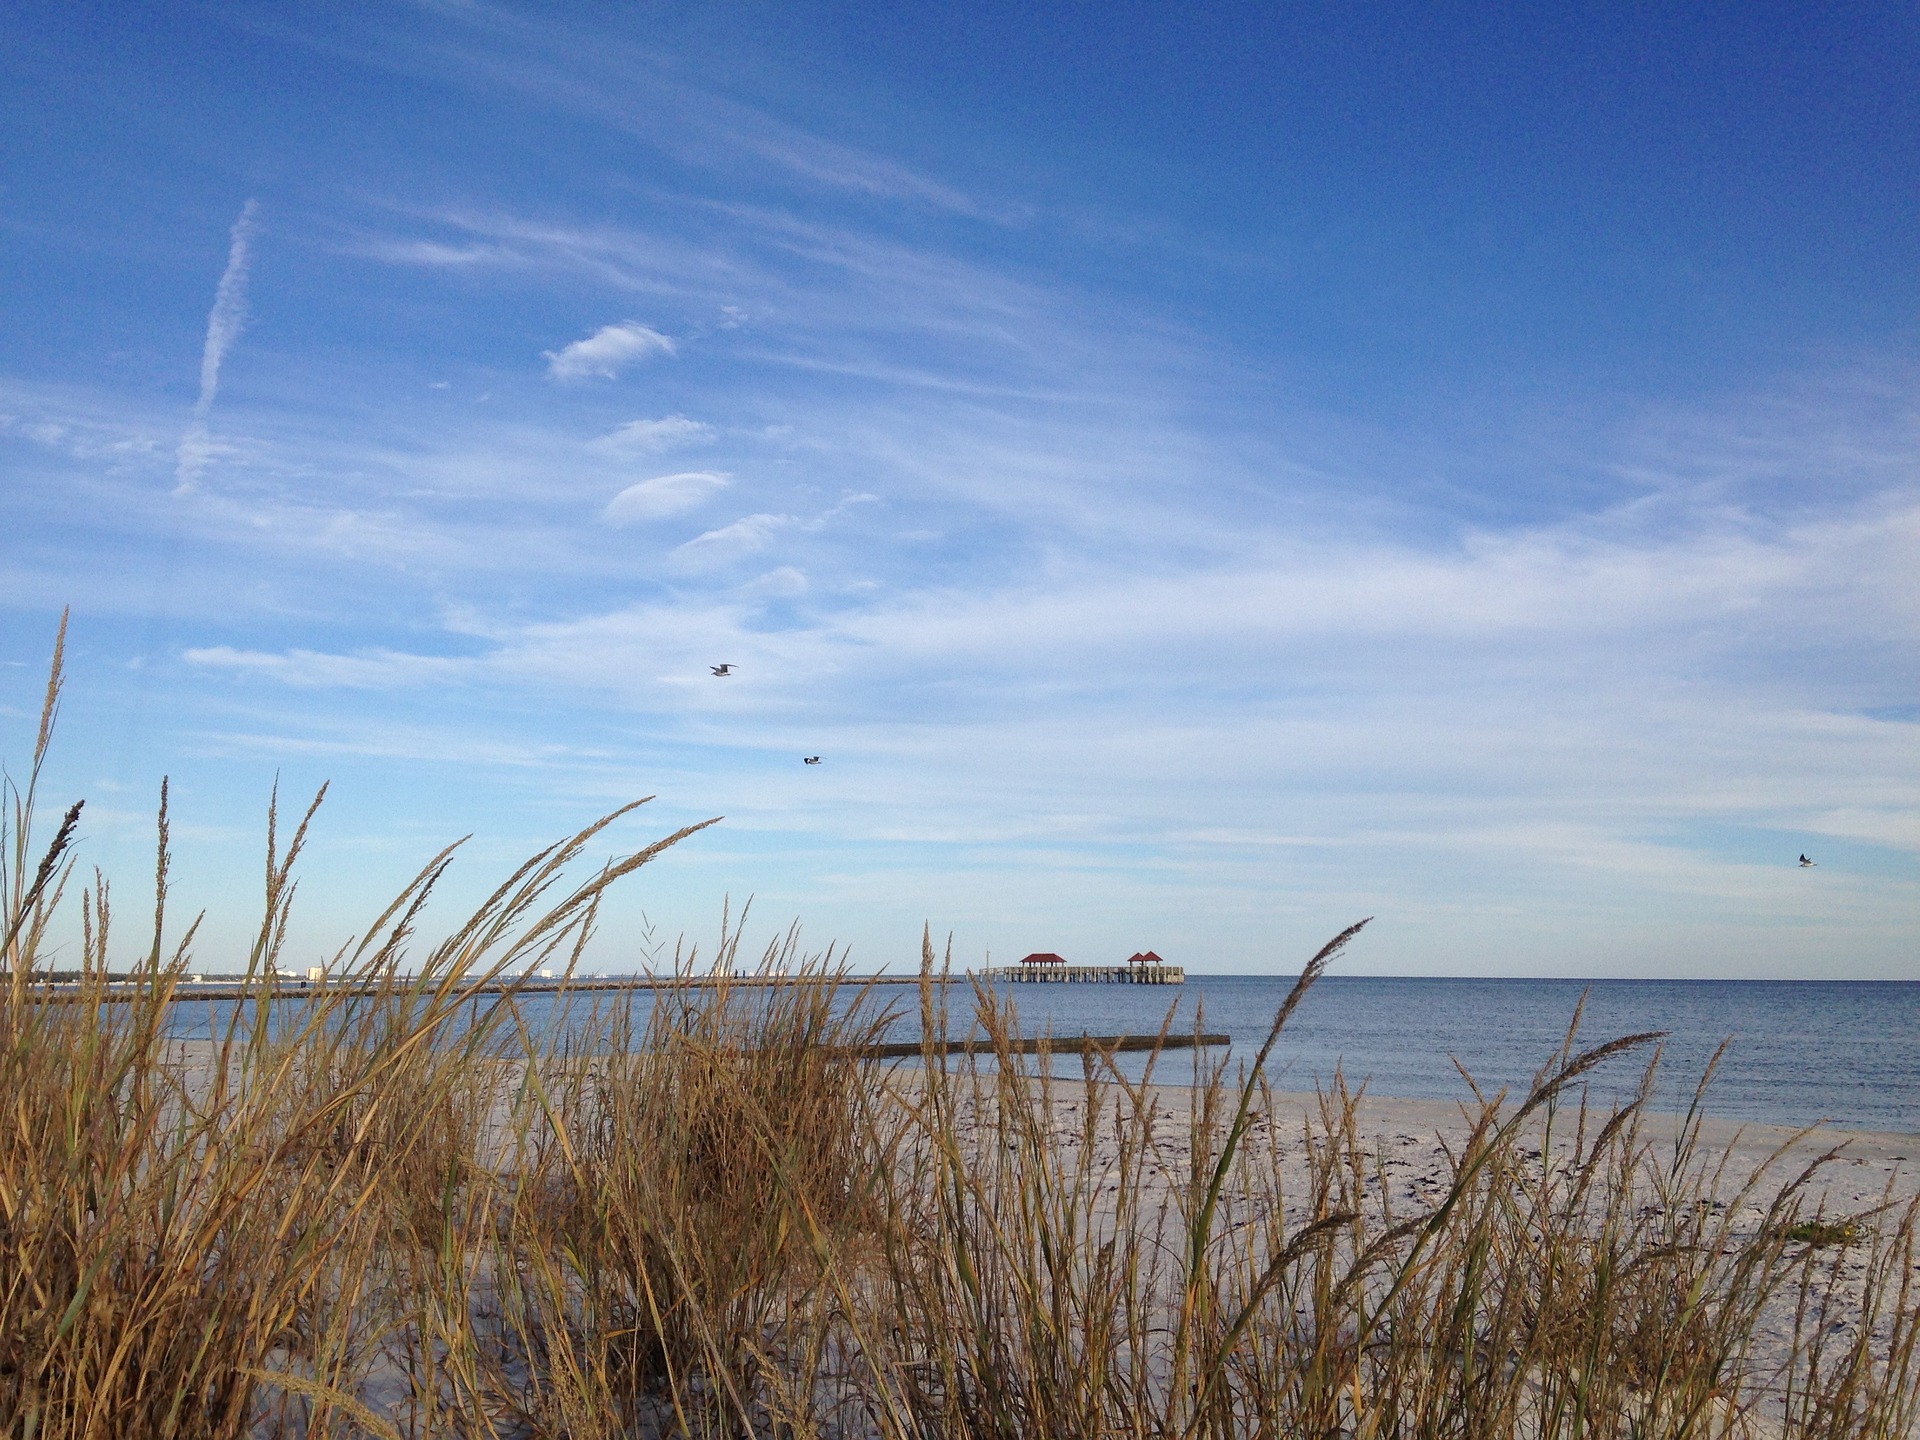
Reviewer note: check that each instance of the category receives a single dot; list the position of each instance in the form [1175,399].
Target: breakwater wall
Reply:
[1051,1045]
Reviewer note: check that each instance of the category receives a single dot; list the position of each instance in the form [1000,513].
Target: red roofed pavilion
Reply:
[1145,957]
[1043,957]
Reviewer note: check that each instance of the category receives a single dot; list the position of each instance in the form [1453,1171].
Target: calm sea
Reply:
[1799,1052]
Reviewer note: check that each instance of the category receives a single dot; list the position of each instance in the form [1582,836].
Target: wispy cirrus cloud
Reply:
[832,299]
[312,669]
[1329,616]
[606,352]
[634,88]
[1565,706]
[224,323]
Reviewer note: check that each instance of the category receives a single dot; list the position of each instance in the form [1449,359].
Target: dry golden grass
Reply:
[399,1207]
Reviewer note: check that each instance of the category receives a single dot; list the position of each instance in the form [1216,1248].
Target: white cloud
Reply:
[846,503]
[229,314]
[662,496]
[197,450]
[607,352]
[224,323]
[674,494]
[746,536]
[83,438]
[669,433]
[434,253]
[783,583]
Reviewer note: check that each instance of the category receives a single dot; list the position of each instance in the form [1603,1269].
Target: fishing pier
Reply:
[1043,967]
[1092,975]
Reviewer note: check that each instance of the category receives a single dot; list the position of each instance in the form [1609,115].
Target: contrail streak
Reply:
[224,324]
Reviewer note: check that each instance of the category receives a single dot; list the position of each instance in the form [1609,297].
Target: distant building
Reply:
[1043,957]
[1145,957]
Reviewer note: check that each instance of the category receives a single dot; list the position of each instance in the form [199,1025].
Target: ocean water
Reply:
[1798,1051]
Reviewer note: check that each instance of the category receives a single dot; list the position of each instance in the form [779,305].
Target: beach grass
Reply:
[396,1206]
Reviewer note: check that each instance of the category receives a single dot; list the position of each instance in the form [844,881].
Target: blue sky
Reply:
[1194,478]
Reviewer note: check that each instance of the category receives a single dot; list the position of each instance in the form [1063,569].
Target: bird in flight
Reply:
[811,760]
[726,669]
[1805,864]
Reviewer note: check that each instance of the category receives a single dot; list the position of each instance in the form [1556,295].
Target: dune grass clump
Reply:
[203,1239]
[680,1193]
[1102,1264]
[407,1203]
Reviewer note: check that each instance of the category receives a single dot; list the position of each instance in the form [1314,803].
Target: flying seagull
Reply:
[726,669]
[811,760]
[1805,864]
